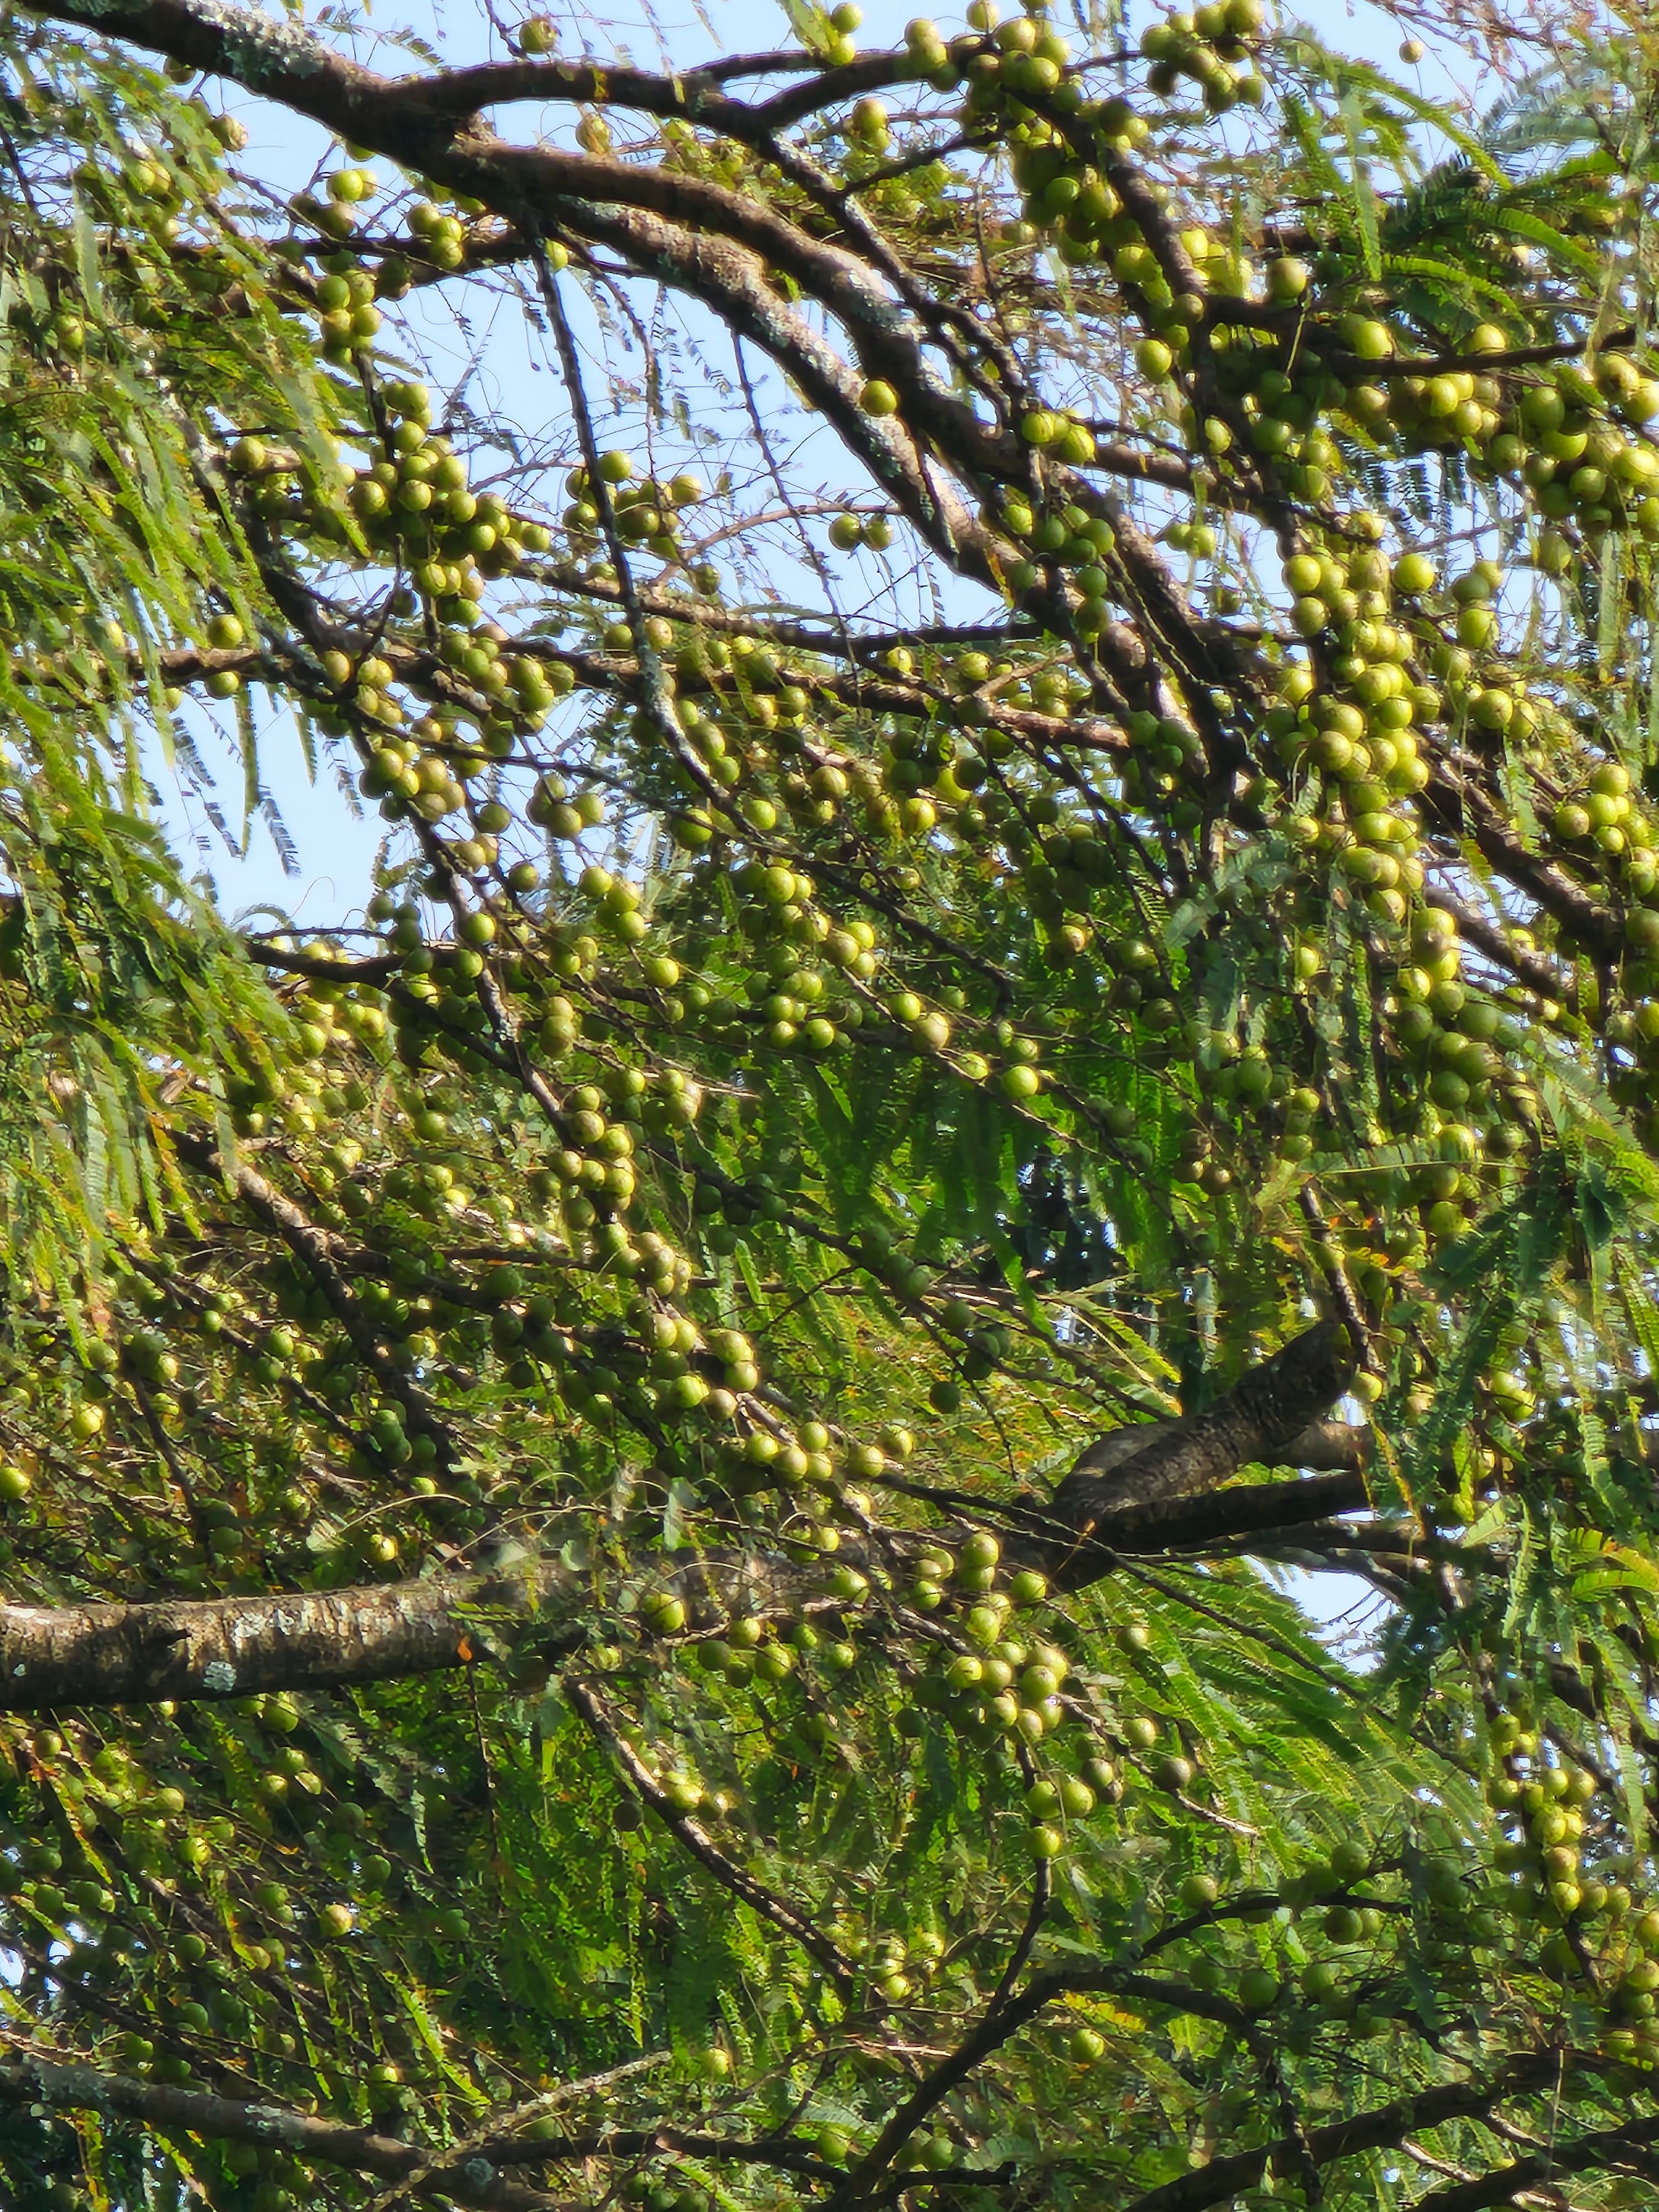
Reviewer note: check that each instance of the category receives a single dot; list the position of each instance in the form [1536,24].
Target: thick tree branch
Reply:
[103,1655]
[28,2079]
[1240,1510]
[1154,1461]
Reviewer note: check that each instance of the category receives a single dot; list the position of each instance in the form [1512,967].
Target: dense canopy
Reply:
[1013,984]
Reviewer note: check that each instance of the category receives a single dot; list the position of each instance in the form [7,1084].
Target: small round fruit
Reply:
[1258,1989]
[1414,574]
[1349,1860]
[1367,338]
[878,398]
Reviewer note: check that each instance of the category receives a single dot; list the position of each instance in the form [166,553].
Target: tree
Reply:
[640,1486]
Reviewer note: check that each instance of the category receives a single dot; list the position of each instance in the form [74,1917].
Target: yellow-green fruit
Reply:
[1366,338]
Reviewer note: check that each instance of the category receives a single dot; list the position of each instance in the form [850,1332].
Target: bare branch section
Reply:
[29,2080]
[101,1655]
[1158,1461]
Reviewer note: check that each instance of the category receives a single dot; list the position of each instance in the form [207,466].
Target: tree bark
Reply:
[422,2172]
[101,1655]
[1152,1462]
[1152,1486]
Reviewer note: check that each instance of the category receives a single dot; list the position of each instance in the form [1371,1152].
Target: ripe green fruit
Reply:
[1366,338]
[1258,1989]
[1349,1861]
[1085,2044]
[1302,575]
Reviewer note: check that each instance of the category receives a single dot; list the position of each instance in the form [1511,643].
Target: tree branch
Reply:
[1585,2153]
[26,2078]
[1152,1462]
[690,1833]
[112,1655]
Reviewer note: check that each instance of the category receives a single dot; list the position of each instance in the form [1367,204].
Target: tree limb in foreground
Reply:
[113,1654]
[28,2079]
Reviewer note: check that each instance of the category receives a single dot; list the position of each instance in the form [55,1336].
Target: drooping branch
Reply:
[28,2079]
[695,1839]
[313,1249]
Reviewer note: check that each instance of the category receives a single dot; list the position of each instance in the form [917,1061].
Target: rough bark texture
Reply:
[1239,1509]
[231,1647]
[470,2181]
[1154,1461]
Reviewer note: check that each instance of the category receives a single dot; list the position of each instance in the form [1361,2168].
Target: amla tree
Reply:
[635,1481]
